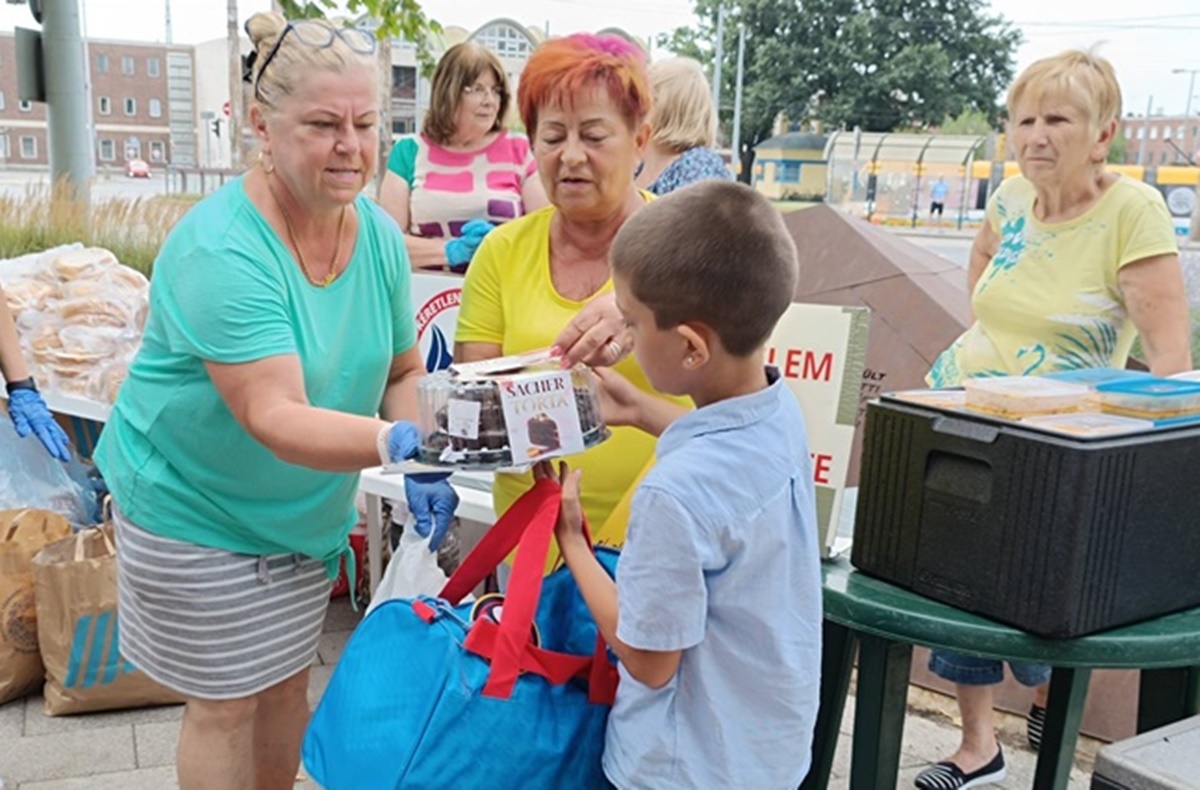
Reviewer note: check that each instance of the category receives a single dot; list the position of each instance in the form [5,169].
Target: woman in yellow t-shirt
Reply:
[1072,263]
[584,100]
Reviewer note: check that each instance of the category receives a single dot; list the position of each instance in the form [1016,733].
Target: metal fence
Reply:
[890,178]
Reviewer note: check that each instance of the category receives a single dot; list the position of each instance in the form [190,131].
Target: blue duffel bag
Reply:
[431,693]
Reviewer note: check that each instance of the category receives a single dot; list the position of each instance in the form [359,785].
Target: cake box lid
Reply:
[1093,377]
[1152,388]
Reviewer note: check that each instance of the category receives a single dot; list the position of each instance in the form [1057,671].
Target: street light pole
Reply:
[1190,144]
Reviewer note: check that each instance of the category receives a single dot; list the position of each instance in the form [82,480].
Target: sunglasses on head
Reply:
[313,34]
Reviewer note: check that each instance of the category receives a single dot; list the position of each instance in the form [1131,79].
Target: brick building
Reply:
[1161,139]
[141,106]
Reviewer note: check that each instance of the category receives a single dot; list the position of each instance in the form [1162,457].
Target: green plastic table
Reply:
[884,622]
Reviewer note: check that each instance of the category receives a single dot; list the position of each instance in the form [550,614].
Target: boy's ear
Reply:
[699,343]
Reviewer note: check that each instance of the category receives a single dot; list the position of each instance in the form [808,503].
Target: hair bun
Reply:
[264,26]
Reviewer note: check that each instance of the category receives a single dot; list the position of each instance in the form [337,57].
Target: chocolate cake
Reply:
[543,431]
[479,436]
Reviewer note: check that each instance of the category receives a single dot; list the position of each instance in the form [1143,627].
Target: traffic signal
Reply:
[216,127]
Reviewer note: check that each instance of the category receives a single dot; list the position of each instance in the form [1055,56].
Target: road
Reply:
[952,248]
[15,183]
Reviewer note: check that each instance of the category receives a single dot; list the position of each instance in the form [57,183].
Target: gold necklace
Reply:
[337,247]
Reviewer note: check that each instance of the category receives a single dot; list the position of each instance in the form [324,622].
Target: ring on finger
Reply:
[615,347]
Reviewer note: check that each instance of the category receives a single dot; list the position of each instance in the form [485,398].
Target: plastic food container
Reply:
[1017,397]
[1091,377]
[1088,425]
[1151,399]
[507,412]
[941,399]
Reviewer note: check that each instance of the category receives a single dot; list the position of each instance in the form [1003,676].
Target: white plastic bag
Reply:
[30,477]
[413,570]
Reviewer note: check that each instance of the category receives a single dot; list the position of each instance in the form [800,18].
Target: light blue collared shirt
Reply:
[721,562]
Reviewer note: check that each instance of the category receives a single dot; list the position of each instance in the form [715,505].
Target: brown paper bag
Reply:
[22,534]
[76,582]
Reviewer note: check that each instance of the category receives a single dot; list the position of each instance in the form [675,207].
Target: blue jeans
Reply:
[974,671]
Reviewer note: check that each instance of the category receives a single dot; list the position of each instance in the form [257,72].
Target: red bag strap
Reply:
[556,667]
[528,526]
[500,539]
[524,591]
[602,677]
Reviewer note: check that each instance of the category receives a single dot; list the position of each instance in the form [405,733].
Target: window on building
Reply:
[4,150]
[106,105]
[400,126]
[1162,158]
[108,150]
[130,106]
[1166,132]
[24,106]
[789,172]
[505,40]
[127,65]
[404,82]
[157,151]
[1153,132]
[28,147]
[1,100]
[133,148]
[155,108]
[152,67]
[101,63]
[1141,132]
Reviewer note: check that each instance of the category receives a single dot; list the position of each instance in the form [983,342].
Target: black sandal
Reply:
[948,776]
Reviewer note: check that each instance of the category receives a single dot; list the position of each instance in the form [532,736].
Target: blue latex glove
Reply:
[431,499]
[403,441]
[30,416]
[432,502]
[460,251]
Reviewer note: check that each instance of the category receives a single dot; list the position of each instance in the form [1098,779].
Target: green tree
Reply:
[1116,151]
[880,65]
[404,19]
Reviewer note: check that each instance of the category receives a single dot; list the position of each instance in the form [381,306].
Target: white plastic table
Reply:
[475,504]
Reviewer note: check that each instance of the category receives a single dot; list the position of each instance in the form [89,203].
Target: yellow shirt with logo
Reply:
[1049,299]
[509,299]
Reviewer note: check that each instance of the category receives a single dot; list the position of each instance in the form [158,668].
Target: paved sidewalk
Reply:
[135,750]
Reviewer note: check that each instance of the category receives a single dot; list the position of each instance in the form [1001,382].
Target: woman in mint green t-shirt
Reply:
[280,326]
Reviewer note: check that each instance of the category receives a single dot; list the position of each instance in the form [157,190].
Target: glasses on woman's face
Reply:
[480,92]
[318,36]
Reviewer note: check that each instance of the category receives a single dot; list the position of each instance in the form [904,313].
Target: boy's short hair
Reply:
[716,252]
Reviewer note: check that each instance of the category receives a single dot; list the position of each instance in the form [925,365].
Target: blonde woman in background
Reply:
[1071,264]
[684,126]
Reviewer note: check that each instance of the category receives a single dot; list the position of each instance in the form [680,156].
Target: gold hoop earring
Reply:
[265,163]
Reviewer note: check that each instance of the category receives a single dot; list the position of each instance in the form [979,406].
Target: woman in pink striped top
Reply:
[463,166]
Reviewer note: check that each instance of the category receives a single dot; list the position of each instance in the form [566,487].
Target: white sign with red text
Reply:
[820,351]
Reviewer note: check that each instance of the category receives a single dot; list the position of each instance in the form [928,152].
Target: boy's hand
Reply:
[620,401]
[569,529]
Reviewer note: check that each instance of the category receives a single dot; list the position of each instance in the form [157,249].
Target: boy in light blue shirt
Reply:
[715,614]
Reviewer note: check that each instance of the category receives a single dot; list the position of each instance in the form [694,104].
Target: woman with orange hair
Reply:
[584,100]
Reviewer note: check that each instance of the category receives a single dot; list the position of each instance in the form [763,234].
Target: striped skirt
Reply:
[214,625]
